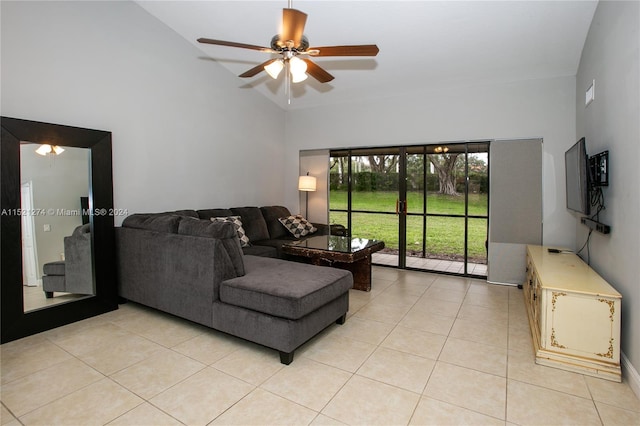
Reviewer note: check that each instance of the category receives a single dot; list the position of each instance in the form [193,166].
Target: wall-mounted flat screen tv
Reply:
[577,178]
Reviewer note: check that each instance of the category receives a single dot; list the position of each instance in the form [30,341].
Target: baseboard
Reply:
[501,283]
[631,375]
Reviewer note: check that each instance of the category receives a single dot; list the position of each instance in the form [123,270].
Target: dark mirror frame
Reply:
[15,322]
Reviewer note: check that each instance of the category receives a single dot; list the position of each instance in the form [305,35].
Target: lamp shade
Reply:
[297,68]
[306,183]
[274,68]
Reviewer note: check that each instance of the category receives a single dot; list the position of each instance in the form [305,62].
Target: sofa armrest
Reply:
[334,229]
[179,274]
[78,264]
[323,229]
[339,230]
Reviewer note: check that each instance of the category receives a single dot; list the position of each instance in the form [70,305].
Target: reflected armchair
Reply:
[75,273]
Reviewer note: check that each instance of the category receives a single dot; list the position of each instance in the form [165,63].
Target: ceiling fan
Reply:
[293,49]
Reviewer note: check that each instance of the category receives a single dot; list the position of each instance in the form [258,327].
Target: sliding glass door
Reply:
[363,194]
[428,203]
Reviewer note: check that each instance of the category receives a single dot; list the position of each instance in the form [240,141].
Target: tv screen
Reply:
[577,178]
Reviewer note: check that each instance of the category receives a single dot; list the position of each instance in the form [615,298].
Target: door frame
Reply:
[29,247]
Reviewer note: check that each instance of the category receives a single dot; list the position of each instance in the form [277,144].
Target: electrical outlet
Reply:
[47,227]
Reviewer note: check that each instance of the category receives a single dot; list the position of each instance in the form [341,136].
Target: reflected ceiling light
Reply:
[45,149]
[440,149]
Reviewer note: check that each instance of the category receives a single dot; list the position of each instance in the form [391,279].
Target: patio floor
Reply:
[448,266]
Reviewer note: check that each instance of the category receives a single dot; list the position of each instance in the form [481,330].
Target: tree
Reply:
[445,165]
[383,163]
[339,166]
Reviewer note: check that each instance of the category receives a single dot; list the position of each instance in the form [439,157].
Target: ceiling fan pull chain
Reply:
[287,87]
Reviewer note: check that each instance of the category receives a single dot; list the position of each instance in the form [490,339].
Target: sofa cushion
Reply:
[153,222]
[253,221]
[271,215]
[284,289]
[297,225]
[54,268]
[209,213]
[237,222]
[276,244]
[82,229]
[224,231]
[188,213]
[261,250]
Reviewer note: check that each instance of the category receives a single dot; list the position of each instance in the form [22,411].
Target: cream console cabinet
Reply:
[574,314]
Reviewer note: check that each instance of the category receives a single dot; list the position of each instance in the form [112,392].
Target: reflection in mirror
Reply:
[56,237]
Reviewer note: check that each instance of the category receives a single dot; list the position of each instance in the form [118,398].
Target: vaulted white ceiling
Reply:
[423,44]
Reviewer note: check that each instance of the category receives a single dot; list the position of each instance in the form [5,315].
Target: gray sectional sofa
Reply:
[184,264]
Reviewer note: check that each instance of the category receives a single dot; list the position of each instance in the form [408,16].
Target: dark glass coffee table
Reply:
[352,254]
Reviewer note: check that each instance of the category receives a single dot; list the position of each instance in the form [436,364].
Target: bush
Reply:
[368,181]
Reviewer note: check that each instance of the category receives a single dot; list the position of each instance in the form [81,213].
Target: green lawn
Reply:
[445,235]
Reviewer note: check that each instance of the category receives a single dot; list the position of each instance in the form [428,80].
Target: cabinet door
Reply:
[527,286]
[536,303]
[583,325]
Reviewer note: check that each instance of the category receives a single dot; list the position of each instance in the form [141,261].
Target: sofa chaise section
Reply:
[282,304]
[195,269]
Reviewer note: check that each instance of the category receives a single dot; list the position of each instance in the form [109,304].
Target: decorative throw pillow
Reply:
[237,222]
[298,225]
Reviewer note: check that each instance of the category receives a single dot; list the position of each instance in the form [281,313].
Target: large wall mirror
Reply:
[57,254]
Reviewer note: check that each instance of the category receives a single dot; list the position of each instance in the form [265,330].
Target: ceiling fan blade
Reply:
[257,69]
[293,22]
[355,50]
[317,72]
[234,44]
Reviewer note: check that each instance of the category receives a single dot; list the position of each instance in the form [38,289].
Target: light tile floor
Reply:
[418,349]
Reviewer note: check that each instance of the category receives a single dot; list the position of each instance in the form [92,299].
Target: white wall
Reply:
[535,108]
[185,134]
[611,122]
[315,163]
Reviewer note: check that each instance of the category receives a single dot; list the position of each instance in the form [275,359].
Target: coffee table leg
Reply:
[361,270]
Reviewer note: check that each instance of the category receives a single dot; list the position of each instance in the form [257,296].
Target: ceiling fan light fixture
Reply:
[274,68]
[298,69]
[297,78]
[289,43]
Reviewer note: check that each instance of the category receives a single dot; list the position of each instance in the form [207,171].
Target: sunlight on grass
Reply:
[445,235]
